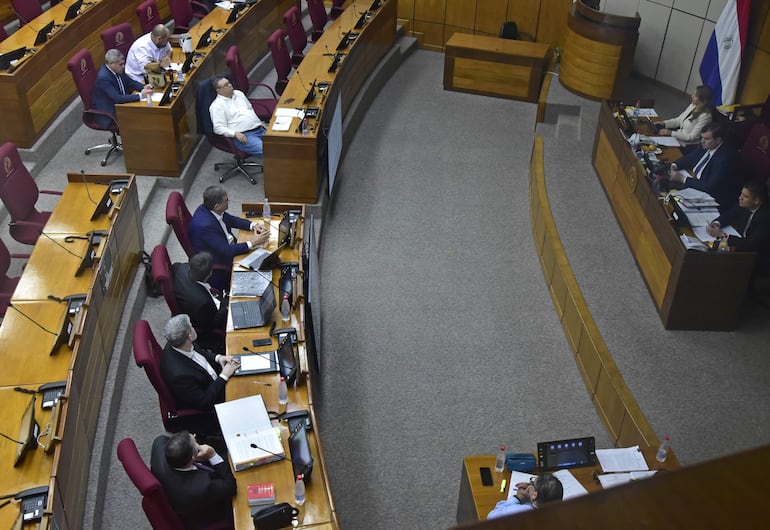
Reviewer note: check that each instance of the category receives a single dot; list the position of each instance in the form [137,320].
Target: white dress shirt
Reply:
[142,52]
[232,115]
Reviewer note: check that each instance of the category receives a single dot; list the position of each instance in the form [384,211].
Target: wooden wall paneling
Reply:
[490,14]
[607,402]
[570,321]
[588,359]
[406,9]
[552,22]
[451,30]
[460,13]
[430,11]
[558,285]
[526,14]
[431,35]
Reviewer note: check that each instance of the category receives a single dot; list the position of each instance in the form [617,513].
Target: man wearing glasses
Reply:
[233,116]
[539,490]
[114,86]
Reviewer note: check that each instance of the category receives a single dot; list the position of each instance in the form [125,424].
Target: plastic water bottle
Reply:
[299,490]
[149,100]
[266,211]
[283,392]
[285,308]
[500,460]
[662,453]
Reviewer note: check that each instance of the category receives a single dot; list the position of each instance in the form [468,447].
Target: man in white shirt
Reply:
[542,489]
[233,116]
[149,48]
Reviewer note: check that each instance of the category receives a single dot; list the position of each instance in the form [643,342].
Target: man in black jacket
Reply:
[206,306]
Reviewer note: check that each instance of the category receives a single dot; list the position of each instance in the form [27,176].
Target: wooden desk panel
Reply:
[73,214]
[492,66]
[293,163]
[51,270]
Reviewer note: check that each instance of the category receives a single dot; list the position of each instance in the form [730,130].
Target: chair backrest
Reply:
[181,12]
[317,17]
[83,71]
[26,10]
[755,153]
[509,30]
[178,216]
[119,37]
[163,276]
[7,285]
[281,60]
[154,501]
[147,354]
[148,15]
[297,37]
[18,190]
[237,71]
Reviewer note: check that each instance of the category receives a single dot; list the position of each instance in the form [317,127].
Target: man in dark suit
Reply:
[114,86]
[206,307]
[714,167]
[751,219]
[197,481]
[211,231]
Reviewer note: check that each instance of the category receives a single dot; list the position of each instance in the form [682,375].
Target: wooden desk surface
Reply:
[518,48]
[73,213]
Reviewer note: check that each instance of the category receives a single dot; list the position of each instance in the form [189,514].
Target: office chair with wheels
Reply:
[148,15]
[264,107]
[205,95]
[185,12]
[26,10]
[178,216]
[119,37]
[337,9]
[317,17]
[281,60]
[510,30]
[83,71]
[7,284]
[163,277]
[19,193]
[297,36]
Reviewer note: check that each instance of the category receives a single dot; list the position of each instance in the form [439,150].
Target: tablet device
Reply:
[257,363]
[564,454]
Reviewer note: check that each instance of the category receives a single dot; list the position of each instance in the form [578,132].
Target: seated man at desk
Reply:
[211,231]
[539,490]
[751,219]
[206,307]
[714,167]
[197,481]
[195,379]
[114,86]
[233,116]
[152,47]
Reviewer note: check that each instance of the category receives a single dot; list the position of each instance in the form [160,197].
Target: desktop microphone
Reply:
[292,370]
[281,457]
[60,245]
[35,322]
[88,191]
[302,81]
[328,51]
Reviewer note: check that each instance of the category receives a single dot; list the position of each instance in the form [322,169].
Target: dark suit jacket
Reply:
[107,91]
[199,497]
[721,178]
[191,385]
[758,236]
[195,300]
[206,234]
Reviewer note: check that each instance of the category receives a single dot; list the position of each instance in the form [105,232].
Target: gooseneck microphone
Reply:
[35,322]
[302,81]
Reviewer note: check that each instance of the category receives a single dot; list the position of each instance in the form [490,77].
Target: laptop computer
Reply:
[253,313]
[262,259]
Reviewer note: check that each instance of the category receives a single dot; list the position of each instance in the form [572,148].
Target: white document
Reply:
[692,243]
[157,96]
[572,488]
[225,5]
[516,477]
[250,437]
[621,460]
[289,112]
[281,124]
[692,194]
[666,141]
[699,218]
[700,233]
[610,480]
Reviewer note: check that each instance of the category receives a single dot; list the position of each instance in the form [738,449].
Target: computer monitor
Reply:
[375,5]
[168,93]
[105,203]
[287,361]
[311,93]
[361,20]
[344,42]
[64,334]
[236,11]
[205,39]
[8,57]
[73,10]
[188,63]
[284,230]
[299,449]
[565,454]
[87,261]
[42,35]
[28,431]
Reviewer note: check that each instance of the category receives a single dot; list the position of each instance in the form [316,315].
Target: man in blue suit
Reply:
[114,86]
[713,168]
[211,231]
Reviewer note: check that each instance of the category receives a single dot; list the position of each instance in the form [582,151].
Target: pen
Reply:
[261,383]
[502,486]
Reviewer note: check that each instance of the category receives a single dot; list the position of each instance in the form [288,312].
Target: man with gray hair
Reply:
[152,47]
[539,490]
[114,86]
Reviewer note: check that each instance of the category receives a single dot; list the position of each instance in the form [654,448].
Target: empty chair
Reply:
[264,107]
[81,65]
[178,216]
[148,15]
[163,276]
[281,60]
[317,17]
[205,94]
[510,30]
[336,9]
[184,12]
[7,284]
[26,10]
[19,193]
[119,37]
[292,19]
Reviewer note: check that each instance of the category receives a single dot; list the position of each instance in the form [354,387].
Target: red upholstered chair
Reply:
[148,14]
[163,276]
[755,153]
[154,501]
[337,9]
[178,216]
[264,107]
[292,19]
[317,17]
[19,193]
[26,10]
[83,71]
[119,37]
[7,285]
[184,12]
[281,60]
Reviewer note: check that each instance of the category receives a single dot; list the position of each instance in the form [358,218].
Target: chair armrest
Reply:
[272,92]
[51,192]
[89,115]
[27,223]
[22,256]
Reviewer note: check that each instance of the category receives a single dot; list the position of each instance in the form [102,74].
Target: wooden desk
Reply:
[72,214]
[318,510]
[681,282]
[294,165]
[169,134]
[33,95]
[491,66]
[475,500]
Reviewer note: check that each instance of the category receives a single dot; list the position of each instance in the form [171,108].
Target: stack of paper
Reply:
[622,460]
[250,437]
[610,480]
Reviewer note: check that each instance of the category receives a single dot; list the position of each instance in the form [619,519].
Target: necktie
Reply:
[702,164]
[120,84]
